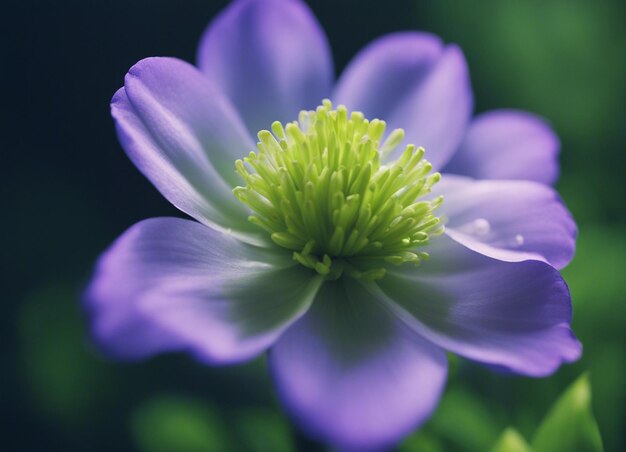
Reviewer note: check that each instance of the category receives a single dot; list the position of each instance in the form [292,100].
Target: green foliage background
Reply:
[70,192]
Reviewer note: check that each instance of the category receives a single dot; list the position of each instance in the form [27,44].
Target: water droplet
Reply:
[518,240]
[480,227]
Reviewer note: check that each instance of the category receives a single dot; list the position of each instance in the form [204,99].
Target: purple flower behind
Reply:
[359,362]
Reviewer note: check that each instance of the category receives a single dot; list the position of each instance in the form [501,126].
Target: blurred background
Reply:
[69,191]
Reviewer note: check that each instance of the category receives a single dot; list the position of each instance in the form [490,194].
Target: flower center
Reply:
[318,187]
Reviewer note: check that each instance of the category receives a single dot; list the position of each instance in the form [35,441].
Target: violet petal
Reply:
[172,284]
[508,144]
[352,374]
[515,315]
[270,57]
[412,82]
[183,136]
[508,220]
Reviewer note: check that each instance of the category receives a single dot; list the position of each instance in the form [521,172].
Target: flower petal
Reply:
[270,57]
[413,82]
[511,315]
[385,71]
[354,376]
[185,138]
[508,144]
[173,284]
[508,220]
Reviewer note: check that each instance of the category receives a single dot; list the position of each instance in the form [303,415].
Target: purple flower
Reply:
[356,333]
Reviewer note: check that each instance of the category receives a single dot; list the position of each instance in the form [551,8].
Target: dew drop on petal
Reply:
[479,227]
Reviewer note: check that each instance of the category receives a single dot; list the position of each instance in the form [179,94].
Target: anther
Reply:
[319,188]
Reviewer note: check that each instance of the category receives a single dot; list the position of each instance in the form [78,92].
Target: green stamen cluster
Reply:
[319,188]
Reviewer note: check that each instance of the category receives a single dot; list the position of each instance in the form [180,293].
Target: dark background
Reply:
[68,191]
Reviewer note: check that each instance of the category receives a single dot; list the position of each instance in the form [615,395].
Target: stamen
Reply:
[318,187]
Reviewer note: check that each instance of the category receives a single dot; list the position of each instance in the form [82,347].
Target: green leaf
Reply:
[569,425]
[421,441]
[511,441]
[168,424]
[262,429]
[463,420]
[65,381]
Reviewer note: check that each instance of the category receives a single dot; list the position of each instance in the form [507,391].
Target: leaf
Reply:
[421,441]
[511,441]
[65,382]
[463,420]
[569,425]
[261,429]
[166,424]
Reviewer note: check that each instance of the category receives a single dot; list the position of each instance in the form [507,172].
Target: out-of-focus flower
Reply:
[317,263]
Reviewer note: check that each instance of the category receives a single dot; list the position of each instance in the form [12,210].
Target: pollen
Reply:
[322,188]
